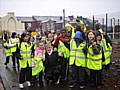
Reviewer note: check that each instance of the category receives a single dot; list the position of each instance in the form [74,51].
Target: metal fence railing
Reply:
[110,24]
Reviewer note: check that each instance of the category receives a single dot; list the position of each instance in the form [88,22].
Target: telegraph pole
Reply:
[63,18]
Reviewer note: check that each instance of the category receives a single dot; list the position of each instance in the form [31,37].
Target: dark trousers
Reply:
[52,73]
[77,74]
[14,58]
[63,68]
[25,74]
[96,77]
[7,60]
[34,79]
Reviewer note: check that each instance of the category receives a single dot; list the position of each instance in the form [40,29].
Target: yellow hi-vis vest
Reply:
[13,48]
[76,54]
[25,51]
[94,61]
[7,51]
[63,49]
[107,52]
[73,32]
[38,66]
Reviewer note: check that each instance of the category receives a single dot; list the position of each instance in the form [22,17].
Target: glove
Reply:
[6,47]
[107,66]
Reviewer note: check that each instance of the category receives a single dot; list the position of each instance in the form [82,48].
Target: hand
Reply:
[60,54]
[107,66]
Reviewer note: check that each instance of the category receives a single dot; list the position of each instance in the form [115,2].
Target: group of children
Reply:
[85,55]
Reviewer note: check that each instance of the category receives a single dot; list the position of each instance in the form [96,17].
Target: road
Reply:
[111,77]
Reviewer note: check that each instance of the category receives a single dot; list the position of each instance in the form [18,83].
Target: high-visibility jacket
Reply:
[62,49]
[13,44]
[94,61]
[38,66]
[77,55]
[7,50]
[25,52]
[107,52]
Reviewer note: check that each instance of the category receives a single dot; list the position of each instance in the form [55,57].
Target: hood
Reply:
[78,34]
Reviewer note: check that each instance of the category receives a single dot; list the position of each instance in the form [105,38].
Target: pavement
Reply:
[9,77]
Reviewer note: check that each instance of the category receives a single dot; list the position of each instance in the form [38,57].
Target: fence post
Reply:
[114,29]
[106,22]
[103,24]
[93,23]
[118,28]
[111,21]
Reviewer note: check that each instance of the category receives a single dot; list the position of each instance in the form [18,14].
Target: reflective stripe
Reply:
[77,56]
[107,57]
[12,46]
[80,57]
[72,55]
[8,53]
[103,44]
[108,50]
[94,54]
[73,49]
[79,50]
[95,59]
[38,67]
[25,52]
[26,58]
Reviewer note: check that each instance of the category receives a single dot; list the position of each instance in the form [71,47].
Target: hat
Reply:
[78,34]
[67,25]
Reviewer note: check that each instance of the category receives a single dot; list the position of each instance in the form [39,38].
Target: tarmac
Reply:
[9,77]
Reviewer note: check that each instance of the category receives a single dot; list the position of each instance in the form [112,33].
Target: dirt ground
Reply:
[112,76]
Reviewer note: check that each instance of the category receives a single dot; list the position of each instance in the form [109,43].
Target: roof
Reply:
[25,19]
[45,18]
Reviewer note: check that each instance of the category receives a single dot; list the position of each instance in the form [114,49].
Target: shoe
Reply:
[82,86]
[28,83]
[21,86]
[72,85]
[99,86]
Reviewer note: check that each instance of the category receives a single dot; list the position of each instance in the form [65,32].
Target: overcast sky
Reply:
[55,7]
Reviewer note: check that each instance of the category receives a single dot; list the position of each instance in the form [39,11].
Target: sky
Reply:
[84,8]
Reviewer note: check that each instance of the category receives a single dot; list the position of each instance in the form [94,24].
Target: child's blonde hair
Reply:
[48,45]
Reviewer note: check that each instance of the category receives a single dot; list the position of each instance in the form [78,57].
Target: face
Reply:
[26,38]
[49,48]
[98,38]
[31,39]
[68,28]
[41,45]
[43,38]
[50,37]
[91,36]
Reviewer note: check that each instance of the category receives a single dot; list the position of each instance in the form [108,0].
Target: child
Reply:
[52,67]
[94,58]
[37,63]
[7,52]
[25,61]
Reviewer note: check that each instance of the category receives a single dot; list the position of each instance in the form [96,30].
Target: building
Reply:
[10,24]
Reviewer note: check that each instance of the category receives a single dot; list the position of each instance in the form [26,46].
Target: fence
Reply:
[110,24]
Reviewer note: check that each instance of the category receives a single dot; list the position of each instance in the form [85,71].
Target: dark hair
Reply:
[88,33]
[98,33]
[13,34]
